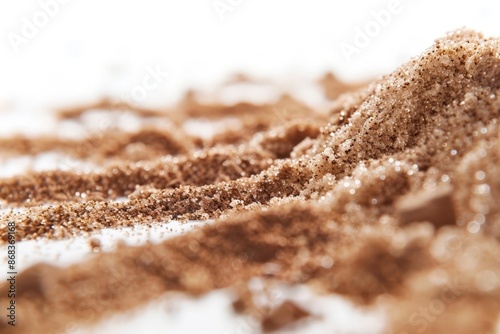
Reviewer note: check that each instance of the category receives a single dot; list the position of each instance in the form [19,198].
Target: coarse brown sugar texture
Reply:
[334,203]
[218,164]
[213,257]
[293,122]
[460,294]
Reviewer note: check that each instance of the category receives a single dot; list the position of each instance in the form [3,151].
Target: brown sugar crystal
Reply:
[432,206]
[95,244]
[285,314]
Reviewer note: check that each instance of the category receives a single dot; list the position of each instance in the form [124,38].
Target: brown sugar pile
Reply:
[394,199]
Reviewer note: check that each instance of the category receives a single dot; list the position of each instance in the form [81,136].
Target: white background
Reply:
[91,48]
